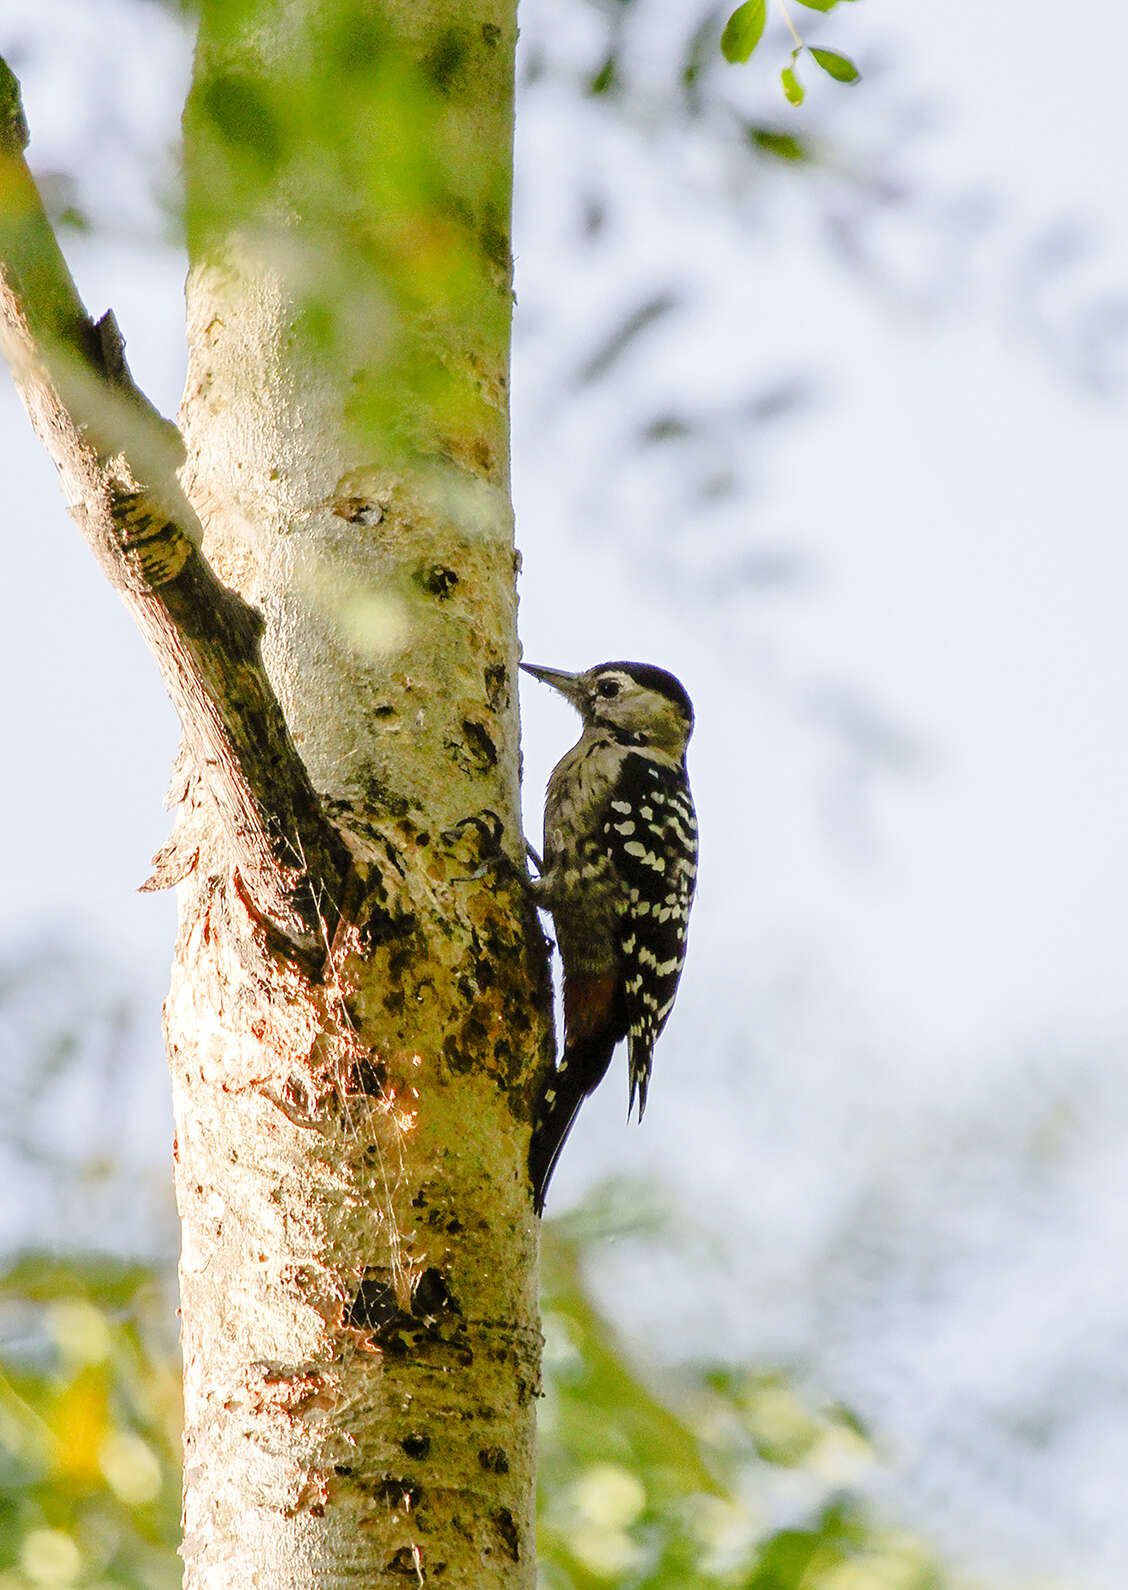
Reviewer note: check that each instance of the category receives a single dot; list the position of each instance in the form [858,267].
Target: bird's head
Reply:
[635,703]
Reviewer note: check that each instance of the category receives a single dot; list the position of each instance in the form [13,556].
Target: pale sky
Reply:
[898,1063]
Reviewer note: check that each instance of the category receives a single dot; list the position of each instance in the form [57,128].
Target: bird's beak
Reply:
[567,684]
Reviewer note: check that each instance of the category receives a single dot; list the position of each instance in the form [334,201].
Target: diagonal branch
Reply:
[117,460]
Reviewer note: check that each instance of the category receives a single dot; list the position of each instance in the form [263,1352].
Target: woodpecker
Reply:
[618,873]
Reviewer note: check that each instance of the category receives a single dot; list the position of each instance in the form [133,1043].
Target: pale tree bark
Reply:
[354,1025]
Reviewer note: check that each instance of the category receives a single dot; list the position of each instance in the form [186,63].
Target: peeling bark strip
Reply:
[117,461]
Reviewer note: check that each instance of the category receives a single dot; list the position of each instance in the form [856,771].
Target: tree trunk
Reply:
[352,1079]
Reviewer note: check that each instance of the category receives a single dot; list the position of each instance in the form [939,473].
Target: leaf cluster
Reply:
[745,28]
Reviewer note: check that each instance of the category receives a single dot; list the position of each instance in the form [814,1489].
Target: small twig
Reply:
[790,25]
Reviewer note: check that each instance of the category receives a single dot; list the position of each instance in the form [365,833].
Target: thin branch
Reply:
[117,460]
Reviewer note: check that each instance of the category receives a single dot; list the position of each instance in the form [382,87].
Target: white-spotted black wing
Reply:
[651,835]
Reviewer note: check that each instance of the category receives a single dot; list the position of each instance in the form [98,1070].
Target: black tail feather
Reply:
[582,1068]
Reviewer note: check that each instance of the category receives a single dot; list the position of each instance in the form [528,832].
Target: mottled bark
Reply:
[358,1270]
[359,1250]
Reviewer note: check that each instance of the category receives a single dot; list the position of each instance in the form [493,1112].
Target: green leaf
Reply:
[793,89]
[840,67]
[744,30]
[819,5]
[606,80]
[780,145]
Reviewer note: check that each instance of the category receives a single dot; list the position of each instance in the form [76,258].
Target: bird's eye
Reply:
[608,687]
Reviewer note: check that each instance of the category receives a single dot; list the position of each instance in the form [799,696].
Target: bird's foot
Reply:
[489,829]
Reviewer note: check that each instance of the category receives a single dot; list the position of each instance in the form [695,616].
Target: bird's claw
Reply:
[486,823]
[490,829]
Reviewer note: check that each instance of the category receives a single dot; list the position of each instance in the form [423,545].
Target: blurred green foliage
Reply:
[716,1477]
[370,171]
[89,1426]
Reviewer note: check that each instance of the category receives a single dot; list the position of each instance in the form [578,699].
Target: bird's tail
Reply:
[639,1054]
[582,1068]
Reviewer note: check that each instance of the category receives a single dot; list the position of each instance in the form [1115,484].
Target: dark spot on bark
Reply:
[456,1057]
[491,34]
[381,926]
[352,41]
[445,59]
[454,1227]
[494,1460]
[397,1493]
[317,1510]
[437,580]
[423,840]
[433,1325]
[374,1307]
[468,1048]
[384,711]
[482,456]
[475,752]
[419,1201]
[416,1445]
[367,1076]
[358,510]
[507,1529]
[404,1562]
[431,1296]
[342,1470]
[379,798]
[242,118]
[493,239]
[495,679]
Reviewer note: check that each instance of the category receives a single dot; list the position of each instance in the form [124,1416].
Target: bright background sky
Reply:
[895,1087]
